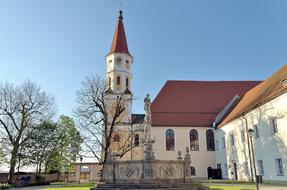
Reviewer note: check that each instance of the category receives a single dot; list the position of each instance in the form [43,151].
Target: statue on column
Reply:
[148,142]
[147,119]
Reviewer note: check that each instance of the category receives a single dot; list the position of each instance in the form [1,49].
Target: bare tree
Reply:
[100,115]
[21,107]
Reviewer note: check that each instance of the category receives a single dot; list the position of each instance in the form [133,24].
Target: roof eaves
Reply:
[253,107]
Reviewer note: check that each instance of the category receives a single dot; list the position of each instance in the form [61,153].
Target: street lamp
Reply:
[250,133]
[81,160]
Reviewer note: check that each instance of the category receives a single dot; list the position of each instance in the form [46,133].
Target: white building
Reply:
[263,109]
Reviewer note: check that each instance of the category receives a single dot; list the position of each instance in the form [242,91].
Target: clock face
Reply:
[118,60]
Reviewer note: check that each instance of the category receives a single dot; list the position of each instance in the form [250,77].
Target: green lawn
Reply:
[230,188]
[73,187]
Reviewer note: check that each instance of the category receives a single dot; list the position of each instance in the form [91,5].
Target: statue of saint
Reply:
[147,119]
[147,109]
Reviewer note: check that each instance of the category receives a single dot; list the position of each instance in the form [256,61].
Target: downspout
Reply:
[132,139]
[249,149]
[132,129]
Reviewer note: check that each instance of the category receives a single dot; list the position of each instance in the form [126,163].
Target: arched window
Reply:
[137,140]
[116,138]
[193,137]
[210,140]
[127,82]
[192,171]
[169,135]
[118,80]
[110,82]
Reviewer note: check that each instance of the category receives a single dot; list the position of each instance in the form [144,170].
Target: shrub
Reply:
[5,186]
[40,180]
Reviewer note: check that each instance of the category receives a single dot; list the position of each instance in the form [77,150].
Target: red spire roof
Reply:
[119,44]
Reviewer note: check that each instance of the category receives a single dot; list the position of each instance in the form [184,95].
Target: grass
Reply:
[85,186]
[229,188]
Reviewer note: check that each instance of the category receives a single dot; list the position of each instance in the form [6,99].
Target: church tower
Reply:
[119,76]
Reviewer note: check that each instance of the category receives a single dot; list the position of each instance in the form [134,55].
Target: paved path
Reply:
[261,187]
[269,187]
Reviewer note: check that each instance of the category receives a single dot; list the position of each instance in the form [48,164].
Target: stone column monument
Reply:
[148,142]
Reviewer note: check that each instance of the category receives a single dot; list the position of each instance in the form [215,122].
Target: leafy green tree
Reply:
[41,143]
[67,147]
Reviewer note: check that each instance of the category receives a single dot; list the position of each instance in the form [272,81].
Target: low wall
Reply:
[147,171]
[48,177]
[4,177]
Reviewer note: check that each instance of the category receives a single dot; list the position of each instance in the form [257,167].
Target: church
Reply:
[236,128]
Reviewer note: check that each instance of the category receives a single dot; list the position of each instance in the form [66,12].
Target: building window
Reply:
[223,143]
[110,82]
[116,138]
[273,123]
[118,80]
[210,140]
[192,171]
[169,134]
[256,131]
[193,137]
[279,167]
[246,170]
[127,82]
[231,139]
[225,170]
[218,166]
[260,167]
[137,140]
[242,135]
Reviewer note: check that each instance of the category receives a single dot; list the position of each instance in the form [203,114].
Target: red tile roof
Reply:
[262,93]
[194,103]
[119,44]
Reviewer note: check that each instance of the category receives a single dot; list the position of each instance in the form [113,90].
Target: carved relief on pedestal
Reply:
[128,171]
[168,171]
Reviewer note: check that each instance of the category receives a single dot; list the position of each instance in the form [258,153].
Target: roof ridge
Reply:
[214,80]
[265,91]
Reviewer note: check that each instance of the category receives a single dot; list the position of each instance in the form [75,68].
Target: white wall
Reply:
[268,147]
[201,159]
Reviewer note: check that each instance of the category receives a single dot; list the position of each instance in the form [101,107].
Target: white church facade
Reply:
[212,118]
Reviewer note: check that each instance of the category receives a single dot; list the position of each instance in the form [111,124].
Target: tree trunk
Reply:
[103,174]
[58,176]
[39,169]
[13,161]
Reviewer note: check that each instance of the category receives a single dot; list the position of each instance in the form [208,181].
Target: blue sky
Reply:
[58,43]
